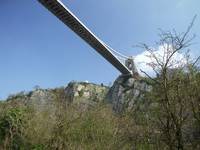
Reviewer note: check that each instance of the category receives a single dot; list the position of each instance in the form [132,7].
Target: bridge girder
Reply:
[69,19]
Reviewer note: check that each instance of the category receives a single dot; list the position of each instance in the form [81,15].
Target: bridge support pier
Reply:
[129,63]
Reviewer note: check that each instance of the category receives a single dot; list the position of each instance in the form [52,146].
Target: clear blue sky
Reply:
[37,49]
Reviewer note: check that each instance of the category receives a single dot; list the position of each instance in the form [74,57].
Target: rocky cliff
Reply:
[122,95]
[87,94]
[78,93]
[125,92]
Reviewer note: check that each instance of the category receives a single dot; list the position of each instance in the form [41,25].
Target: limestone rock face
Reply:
[85,93]
[122,95]
[80,93]
[125,92]
[41,97]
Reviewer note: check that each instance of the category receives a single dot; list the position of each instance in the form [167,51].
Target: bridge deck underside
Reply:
[69,19]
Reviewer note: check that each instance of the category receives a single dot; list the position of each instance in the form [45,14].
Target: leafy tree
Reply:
[170,87]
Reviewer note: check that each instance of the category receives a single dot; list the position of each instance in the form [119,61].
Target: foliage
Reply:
[11,127]
[175,91]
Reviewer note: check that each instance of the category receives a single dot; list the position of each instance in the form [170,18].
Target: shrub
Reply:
[11,127]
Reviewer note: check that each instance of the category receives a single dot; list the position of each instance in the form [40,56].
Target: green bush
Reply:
[11,128]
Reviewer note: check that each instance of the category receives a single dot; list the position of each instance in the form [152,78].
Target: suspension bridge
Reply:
[121,62]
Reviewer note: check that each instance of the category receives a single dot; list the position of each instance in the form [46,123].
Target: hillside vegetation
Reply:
[152,124]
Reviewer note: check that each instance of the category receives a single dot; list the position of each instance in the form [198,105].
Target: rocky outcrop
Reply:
[79,93]
[42,99]
[85,93]
[125,92]
[122,95]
